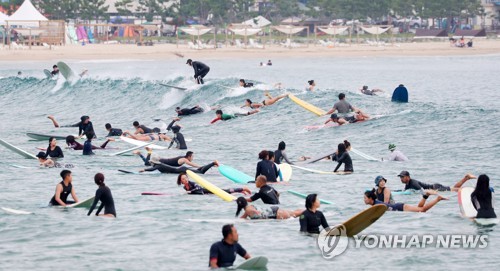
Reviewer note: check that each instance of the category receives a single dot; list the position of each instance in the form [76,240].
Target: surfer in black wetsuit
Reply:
[77,146]
[416,185]
[113,131]
[245,84]
[141,129]
[342,157]
[223,253]
[55,70]
[482,198]
[174,165]
[103,194]
[311,218]
[266,167]
[53,150]
[86,127]
[280,155]
[266,193]
[188,111]
[200,70]
[178,136]
[194,189]
[63,190]
[371,199]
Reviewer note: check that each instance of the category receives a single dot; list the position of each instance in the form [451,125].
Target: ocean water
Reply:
[449,128]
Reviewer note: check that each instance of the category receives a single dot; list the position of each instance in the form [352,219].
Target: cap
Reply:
[40,155]
[404,173]
[392,147]
[189,61]
[378,179]
[334,116]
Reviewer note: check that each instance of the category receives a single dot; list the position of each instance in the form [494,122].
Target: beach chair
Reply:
[192,45]
[205,45]
[254,44]
[292,44]
[16,46]
[323,43]
[238,44]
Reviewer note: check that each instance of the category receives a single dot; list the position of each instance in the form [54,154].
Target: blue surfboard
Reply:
[235,175]
[400,94]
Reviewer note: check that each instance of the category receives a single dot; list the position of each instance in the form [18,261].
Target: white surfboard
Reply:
[364,155]
[254,263]
[129,150]
[142,143]
[314,170]
[286,171]
[467,208]
[15,212]
[17,150]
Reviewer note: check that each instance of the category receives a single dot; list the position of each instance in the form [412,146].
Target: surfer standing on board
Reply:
[223,253]
[200,70]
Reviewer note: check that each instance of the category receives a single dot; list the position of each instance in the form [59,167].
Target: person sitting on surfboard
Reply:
[266,167]
[200,70]
[176,165]
[223,253]
[53,150]
[55,70]
[311,218]
[416,185]
[371,199]
[271,212]
[343,107]
[245,84]
[221,116]
[113,131]
[267,102]
[395,155]
[49,163]
[103,194]
[63,190]
[482,198]
[194,189]
[266,193]
[280,155]
[382,192]
[342,157]
[188,111]
[310,85]
[366,91]
[74,145]
[178,136]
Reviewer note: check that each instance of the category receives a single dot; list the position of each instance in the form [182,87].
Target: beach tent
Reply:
[431,34]
[290,30]
[197,31]
[375,29]
[257,22]
[331,30]
[469,34]
[245,31]
[26,16]
[3,18]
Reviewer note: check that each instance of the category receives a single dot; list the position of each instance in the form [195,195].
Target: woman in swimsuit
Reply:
[371,199]
[147,137]
[271,212]
[267,102]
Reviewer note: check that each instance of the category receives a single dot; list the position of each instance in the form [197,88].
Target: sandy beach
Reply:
[171,51]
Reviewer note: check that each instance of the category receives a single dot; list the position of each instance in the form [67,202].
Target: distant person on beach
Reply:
[343,107]
[103,194]
[221,116]
[371,199]
[395,155]
[469,43]
[269,63]
[266,102]
[245,84]
[63,190]
[310,85]
[372,92]
[200,70]
[416,185]
[113,131]
[55,70]
[223,253]
[188,111]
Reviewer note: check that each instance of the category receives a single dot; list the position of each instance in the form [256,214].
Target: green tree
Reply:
[122,7]
[92,9]
[58,9]
[11,5]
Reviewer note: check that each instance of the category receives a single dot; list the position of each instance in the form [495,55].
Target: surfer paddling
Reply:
[223,253]
[174,165]
[271,212]
[221,116]
[416,185]
[194,189]
[266,102]
[371,199]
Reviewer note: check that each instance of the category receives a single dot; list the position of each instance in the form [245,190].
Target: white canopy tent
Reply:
[375,29]
[26,16]
[197,30]
[245,31]
[331,30]
[290,30]
[3,18]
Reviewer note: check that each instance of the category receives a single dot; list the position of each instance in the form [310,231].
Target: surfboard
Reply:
[129,150]
[17,150]
[364,155]
[82,204]
[210,187]
[41,137]
[286,171]
[170,86]
[316,110]
[234,174]
[20,166]
[15,212]
[400,95]
[314,170]
[142,143]
[295,193]
[254,263]
[65,70]
[47,73]
[141,173]
[363,220]
[467,208]
[153,194]
[405,192]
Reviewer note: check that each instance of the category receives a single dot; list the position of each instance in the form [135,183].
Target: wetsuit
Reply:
[192,111]
[54,72]
[248,85]
[392,206]
[350,119]
[145,129]
[343,158]
[267,194]
[78,146]
[416,185]
[195,189]
[85,128]
[270,212]
[343,107]
[225,253]
[115,132]
[66,191]
[164,168]
[178,137]
[56,153]
[367,92]
[200,70]
[279,156]
[87,148]
[310,222]
[267,168]
[103,194]
[484,206]
[380,196]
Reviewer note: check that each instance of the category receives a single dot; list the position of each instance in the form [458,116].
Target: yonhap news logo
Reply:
[335,242]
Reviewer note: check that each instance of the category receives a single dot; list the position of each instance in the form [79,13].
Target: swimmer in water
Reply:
[223,253]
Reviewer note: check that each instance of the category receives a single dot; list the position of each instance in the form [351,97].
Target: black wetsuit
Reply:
[248,85]
[66,191]
[195,189]
[484,206]
[85,128]
[392,206]
[103,194]
[268,169]
[343,158]
[87,148]
[192,111]
[310,222]
[54,72]
[414,184]
[146,129]
[164,168]
[56,153]
[267,194]
[78,146]
[115,132]
[279,156]
[178,137]
[200,70]
[225,253]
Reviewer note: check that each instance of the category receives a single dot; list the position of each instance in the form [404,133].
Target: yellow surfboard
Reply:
[210,187]
[364,219]
[316,110]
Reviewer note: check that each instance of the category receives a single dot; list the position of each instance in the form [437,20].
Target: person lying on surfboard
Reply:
[371,199]
[416,185]
[189,111]
[49,163]
[221,116]
[482,198]
[343,107]
[141,129]
[63,190]
[245,84]
[174,162]
[311,218]
[112,131]
[223,253]
[195,189]
[367,91]
[166,168]
[267,102]
[147,137]
[271,212]
[84,126]
[103,194]
[344,120]
[266,193]
[77,146]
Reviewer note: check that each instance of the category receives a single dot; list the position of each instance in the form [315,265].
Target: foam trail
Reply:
[171,98]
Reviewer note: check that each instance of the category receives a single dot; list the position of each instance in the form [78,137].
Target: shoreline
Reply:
[170,51]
